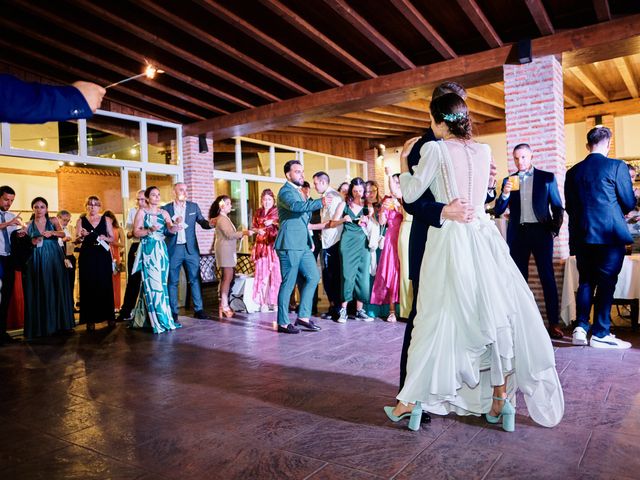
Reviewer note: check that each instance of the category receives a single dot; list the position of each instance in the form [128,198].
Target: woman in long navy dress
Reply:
[96,269]
[48,306]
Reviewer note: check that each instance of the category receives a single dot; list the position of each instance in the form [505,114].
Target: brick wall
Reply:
[375,168]
[534,109]
[198,176]
[75,184]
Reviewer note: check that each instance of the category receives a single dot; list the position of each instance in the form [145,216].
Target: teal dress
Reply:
[373,310]
[356,260]
[152,260]
[48,306]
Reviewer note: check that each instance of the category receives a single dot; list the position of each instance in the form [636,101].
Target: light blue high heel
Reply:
[415,416]
[508,415]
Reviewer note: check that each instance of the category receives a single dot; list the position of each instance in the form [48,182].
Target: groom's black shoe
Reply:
[200,315]
[309,325]
[288,328]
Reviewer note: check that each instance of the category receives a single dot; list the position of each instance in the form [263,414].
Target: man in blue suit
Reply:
[598,194]
[183,249]
[535,218]
[25,102]
[293,246]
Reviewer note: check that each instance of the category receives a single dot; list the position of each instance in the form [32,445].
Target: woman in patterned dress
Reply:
[267,277]
[153,309]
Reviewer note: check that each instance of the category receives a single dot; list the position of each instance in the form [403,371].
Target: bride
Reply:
[478,335]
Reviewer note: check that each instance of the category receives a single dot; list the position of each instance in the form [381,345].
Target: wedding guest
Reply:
[184,250]
[354,250]
[116,258]
[405,292]
[330,244]
[315,226]
[598,193]
[95,232]
[293,246]
[31,102]
[386,285]
[132,289]
[9,222]
[372,195]
[48,302]
[267,266]
[66,242]
[225,247]
[153,308]
[343,189]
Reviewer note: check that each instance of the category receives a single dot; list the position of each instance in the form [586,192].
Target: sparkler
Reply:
[149,72]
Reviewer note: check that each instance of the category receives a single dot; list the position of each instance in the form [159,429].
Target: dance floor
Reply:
[233,400]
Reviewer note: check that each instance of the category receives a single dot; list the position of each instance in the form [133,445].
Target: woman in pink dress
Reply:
[387,282]
[267,277]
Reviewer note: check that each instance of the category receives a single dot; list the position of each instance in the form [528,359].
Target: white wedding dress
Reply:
[477,320]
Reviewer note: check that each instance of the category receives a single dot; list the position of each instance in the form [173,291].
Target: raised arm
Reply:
[413,186]
[288,201]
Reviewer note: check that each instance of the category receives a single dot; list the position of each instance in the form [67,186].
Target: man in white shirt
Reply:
[8,223]
[133,279]
[330,243]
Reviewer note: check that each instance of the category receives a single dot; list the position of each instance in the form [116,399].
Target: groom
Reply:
[293,246]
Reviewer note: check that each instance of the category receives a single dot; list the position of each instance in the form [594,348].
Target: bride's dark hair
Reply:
[452,110]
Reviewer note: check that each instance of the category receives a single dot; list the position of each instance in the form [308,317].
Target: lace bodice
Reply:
[451,169]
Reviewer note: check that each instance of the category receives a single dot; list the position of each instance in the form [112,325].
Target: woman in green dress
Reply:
[354,250]
[153,309]
[48,306]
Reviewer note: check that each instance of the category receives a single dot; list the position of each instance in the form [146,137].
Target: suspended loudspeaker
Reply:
[202,143]
[524,51]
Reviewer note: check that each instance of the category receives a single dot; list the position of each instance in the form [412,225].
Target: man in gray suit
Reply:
[183,249]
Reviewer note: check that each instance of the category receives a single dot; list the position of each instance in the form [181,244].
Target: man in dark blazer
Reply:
[25,102]
[535,218]
[183,249]
[598,194]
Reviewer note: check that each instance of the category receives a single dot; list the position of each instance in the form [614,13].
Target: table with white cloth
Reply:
[627,288]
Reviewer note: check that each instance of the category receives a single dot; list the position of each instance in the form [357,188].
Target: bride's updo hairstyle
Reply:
[452,110]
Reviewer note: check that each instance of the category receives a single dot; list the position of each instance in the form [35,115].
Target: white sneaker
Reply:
[343,316]
[579,336]
[610,341]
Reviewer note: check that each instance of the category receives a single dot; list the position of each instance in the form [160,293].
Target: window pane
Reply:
[48,137]
[282,157]
[337,171]
[255,158]
[224,155]
[164,184]
[313,163]
[357,170]
[109,137]
[162,144]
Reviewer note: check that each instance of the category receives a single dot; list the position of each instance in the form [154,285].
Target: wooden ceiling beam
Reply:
[170,47]
[188,27]
[356,122]
[415,18]
[475,106]
[603,13]
[85,55]
[481,22]
[622,107]
[540,16]
[572,97]
[387,119]
[323,124]
[79,73]
[589,81]
[487,94]
[327,132]
[92,36]
[626,72]
[317,36]
[366,29]
[402,112]
[269,42]
[471,70]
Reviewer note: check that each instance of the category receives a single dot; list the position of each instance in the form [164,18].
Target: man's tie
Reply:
[5,234]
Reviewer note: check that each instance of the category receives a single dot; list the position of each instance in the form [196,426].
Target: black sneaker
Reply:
[362,315]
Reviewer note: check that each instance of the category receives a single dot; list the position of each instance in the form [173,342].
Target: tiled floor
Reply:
[232,399]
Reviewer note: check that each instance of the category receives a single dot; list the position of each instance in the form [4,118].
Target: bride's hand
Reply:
[458,211]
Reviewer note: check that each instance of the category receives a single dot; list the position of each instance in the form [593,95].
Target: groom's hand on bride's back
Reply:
[458,211]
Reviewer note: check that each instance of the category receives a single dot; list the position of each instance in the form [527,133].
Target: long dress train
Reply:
[477,321]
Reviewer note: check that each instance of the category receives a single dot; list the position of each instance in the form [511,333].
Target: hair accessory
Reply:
[454,117]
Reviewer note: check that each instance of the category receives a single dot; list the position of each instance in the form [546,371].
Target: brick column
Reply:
[534,108]
[198,176]
[375,168]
